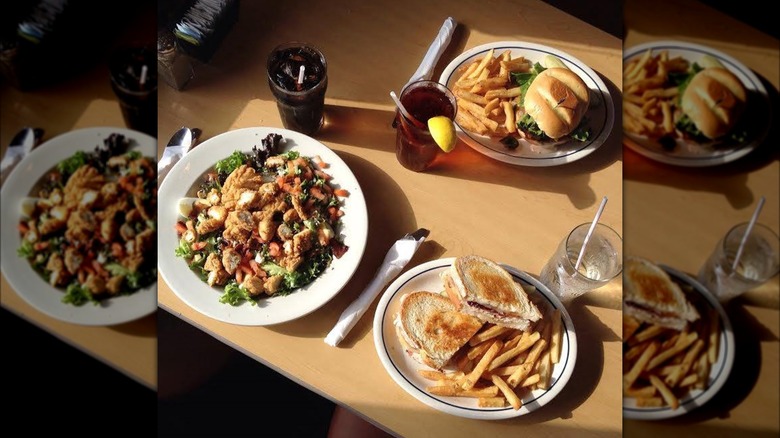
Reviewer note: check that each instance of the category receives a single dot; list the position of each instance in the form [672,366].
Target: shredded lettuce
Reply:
[235,295]
[78,295]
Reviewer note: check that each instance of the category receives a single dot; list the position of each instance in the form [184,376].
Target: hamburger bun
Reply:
[557,99]
[714,100]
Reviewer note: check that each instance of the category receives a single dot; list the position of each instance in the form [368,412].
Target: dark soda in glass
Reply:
[300,103]
[134,81]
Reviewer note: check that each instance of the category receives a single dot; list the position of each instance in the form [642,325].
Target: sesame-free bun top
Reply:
[557,99]
[714,100]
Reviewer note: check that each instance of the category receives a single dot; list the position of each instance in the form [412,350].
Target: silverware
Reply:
[397,257]
[21,144]
[181,142]
[187,137]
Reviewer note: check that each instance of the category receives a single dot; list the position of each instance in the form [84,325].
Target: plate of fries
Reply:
[488,94]
[668,372]
[654,76]
[546,353]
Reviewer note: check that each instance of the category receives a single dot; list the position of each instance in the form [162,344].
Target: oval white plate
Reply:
[20,275]
[718,374]
[689,154]
[403,369]
[187,173]
[601,112]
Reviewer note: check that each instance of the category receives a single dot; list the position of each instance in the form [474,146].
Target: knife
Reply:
[395,260]
[182,141]
[22,144]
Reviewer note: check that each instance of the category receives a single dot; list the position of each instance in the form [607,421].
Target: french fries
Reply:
[650,98]
[486,95]
[663,365]
[499,366]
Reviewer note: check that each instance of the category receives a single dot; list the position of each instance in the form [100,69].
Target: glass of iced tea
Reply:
[415,148]
[298,78]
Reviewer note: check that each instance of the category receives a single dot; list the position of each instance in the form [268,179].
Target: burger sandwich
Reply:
[712,101]
[553,104]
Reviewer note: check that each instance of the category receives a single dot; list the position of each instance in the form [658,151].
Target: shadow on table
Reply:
[748,335]
[730,179]
[145,327]
[371,129]
[588,369]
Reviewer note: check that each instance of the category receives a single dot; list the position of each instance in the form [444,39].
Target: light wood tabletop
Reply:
[676,215]
[82,101]
[470,203]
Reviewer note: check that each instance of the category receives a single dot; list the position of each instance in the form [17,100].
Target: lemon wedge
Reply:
[443,132]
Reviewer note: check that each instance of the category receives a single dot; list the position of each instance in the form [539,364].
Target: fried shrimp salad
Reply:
[264,223]
[91,227]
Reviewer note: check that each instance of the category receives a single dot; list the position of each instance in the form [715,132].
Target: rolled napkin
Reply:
[21,145]
[435,50]
[395,260]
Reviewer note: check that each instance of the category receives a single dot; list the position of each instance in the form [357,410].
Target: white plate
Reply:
[718,374]
[403,369]
[20,275]
[188,172]
[690,154]
[601,112]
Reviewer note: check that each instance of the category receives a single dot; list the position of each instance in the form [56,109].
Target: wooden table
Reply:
[471,203]
[82,101]
[677,215]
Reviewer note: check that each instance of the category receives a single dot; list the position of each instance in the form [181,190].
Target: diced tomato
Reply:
[117,250]
[197,246]
[99,269]
[341,192]
[23,228]
[40,246]
[274,249]
[317,193]
[246,269]
[180,227]
[318,160]
[255,266]
[239,276]
[280,181]
[334,213]
[322,175]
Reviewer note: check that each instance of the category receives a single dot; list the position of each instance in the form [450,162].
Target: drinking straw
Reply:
[747,233]
[300,74]
[403,110]
[144,70]
[590,231]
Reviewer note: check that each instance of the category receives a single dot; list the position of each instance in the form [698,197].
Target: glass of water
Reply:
[758,262]
[601,262]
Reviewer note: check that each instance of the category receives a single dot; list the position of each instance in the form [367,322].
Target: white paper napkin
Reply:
[13,155]
[171,155]
[395,260]
[435,50]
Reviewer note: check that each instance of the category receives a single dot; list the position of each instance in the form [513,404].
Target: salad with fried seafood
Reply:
[91,227]
[264,223]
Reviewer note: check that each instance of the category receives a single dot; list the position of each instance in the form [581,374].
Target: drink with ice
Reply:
[757,263]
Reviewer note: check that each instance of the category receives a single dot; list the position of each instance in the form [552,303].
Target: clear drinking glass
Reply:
[757,263]
[601,262]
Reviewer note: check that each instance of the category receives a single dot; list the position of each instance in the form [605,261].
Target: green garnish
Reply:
[231,163]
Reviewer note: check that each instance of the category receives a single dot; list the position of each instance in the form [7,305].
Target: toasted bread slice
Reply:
[481,287]
[431,329]
[650,295]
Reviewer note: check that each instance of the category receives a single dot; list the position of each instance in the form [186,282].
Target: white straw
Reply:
[590,231]
[300,74]
[747,233]
[144,70]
